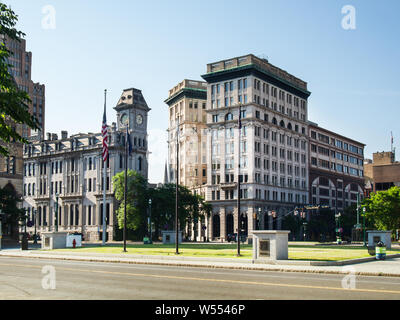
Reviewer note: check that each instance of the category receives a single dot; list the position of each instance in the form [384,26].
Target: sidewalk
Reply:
[389,267]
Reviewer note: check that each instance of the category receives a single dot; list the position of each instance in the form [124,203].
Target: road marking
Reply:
[270,284]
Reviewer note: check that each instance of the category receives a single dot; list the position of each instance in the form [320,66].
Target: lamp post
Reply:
[177,190]
[303,216]
[238,180]
[35,220]
[258,218]
[338,233]
[150,230]
[56,213]
[125,122]
[364,210]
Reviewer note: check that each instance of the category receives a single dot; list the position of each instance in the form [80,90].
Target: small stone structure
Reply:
[168,237]
[270,245]
[70,239]
[54,240]
[374,236]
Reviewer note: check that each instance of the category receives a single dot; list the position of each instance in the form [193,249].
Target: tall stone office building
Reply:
[273,153]
[21,68]
[187,103]
[336,169]
[187,110]
[70,170]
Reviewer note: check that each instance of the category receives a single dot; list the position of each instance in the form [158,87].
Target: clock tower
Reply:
[132,111]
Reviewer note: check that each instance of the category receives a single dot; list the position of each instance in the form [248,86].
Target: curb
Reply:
[194,265]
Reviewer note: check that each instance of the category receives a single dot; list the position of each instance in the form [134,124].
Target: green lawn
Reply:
[296,252]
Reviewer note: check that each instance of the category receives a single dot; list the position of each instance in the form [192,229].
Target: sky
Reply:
[350,59]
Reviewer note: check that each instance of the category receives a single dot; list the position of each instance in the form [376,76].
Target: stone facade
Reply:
[11,167]
[68,173]
[383,172]
[274,153]
[336,169]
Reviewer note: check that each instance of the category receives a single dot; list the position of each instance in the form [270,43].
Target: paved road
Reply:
[22,278]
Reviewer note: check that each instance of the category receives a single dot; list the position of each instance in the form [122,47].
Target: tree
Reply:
[12,215]
[322,224]
[136,199]
[383,209]
[13,101]
[292,223]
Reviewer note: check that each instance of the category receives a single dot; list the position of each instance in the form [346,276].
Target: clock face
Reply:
[139,119]
[124,119]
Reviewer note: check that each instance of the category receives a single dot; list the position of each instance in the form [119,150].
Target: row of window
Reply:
[337,143]
[338,155]
[336,167]
[259,194]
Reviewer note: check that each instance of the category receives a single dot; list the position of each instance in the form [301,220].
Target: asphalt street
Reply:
[22,278]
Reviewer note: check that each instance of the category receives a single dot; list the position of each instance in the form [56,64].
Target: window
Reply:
[228,117]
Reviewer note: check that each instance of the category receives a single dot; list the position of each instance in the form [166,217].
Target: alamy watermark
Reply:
[349,281]
[49,19]
[49,278]
[349,20]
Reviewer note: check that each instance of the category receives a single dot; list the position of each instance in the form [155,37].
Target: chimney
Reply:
[64,135]
[48,136]
[54,136]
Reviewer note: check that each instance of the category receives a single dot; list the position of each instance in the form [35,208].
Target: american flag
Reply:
[104,133]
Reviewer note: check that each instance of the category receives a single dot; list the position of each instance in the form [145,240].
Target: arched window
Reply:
[289,126]
[274,121]
[229,116]
[282,124]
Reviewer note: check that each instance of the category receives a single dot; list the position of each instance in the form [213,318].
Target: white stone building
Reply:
[70,169]
[273,153]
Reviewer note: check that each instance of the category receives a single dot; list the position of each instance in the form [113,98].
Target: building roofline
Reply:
[315,125]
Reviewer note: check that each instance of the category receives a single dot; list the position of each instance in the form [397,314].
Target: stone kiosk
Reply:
[270,245]
[168,237]
[54,240]
[374,236]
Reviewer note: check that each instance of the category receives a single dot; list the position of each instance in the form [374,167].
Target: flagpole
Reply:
[104,181]
[126,182]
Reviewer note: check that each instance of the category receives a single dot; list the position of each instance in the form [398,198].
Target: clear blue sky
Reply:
[152,45]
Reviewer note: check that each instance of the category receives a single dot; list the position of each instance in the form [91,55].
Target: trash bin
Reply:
[24,242]
[380,251]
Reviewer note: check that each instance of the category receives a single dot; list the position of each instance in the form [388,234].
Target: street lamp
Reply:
[258,218]
[150,231]
[56,213]
[35,220]
[364,210]
[338,231]
[177,189]
[303,216]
